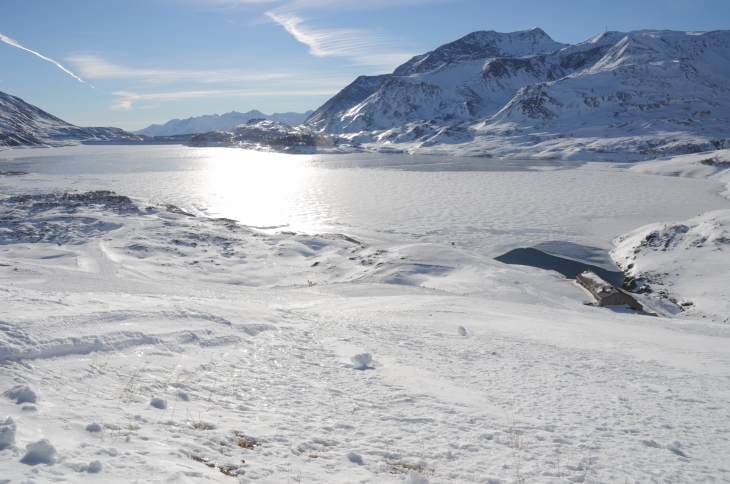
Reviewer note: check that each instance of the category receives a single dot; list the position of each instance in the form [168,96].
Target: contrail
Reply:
[12,42]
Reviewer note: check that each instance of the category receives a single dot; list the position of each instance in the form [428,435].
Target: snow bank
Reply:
[713,165]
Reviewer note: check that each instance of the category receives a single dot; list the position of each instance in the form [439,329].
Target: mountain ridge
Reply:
[23,124]
[216,122]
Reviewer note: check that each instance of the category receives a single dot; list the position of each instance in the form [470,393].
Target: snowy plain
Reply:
[200,324]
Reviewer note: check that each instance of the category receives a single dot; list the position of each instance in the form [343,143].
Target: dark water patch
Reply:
[13,173]
[568,267]
[578,252]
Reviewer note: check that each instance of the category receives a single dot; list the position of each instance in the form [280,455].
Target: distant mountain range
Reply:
[638,94]
[22,124]
[215,122]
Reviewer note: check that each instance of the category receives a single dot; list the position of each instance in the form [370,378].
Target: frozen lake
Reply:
[488,205]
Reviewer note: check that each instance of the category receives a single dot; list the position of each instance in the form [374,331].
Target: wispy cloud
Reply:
[95,67]
[357,4]
[15,43]
[361,46]
[300,5]
[125,99]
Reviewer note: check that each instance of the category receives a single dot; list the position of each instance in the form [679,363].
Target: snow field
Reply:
[254,363]
[601,393]
[139,344]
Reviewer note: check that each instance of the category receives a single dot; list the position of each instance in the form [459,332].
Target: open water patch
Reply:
[584,258]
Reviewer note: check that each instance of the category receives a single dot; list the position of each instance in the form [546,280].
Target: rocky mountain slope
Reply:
[22,124]
[215,122]
[636,94]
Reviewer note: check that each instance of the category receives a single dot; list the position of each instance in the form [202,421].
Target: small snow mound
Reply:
[22,394]
[462,330]
[7,433]
[159,403]
[362,360]
[414,477]
[94,467]
[93,427]
[355,458]
[675,448]
[41,452]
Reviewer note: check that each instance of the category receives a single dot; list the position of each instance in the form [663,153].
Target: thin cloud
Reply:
[127,98]
[300,5]
[14,43]
[94,67]
[361,46]
[358,4]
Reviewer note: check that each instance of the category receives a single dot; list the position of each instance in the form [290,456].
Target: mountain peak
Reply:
[482,44]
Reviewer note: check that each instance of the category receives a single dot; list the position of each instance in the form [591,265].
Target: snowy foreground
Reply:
[141,344]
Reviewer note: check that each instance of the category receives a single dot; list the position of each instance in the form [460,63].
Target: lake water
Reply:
[487,205]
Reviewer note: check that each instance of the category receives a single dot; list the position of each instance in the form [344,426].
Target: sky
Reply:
[133,63]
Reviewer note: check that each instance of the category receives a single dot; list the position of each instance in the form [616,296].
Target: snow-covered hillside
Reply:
[639,94]
[683,264]
[141,344]
[22,124]
[215,122]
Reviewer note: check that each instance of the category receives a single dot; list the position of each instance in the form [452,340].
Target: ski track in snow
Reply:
[162,347]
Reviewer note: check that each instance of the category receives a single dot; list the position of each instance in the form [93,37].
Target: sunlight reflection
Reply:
[257,189]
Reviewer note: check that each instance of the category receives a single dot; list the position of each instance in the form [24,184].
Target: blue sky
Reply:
[144,62]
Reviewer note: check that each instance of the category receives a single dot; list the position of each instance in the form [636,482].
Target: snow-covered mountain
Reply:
[644,92]
[215,122]
[22,124]
[265,135]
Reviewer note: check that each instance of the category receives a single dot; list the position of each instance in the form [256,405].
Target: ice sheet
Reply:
[486,211]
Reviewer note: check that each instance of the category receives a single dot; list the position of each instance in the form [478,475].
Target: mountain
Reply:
[266,135]
[637,93]
[215,122]
[22,124]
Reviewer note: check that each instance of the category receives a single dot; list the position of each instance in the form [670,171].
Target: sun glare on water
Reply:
[258,189]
